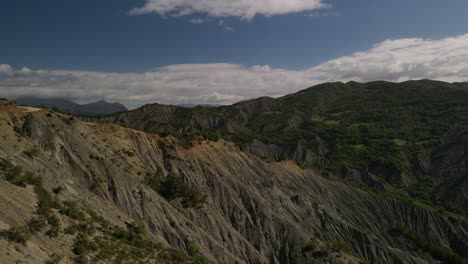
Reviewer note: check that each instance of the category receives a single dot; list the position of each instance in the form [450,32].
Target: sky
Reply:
[222,51]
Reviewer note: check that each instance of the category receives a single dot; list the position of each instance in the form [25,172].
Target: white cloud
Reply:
[222,83]
[25,71]
[175,84]
[400,60]
[6,70]
[197,21]
[246,9]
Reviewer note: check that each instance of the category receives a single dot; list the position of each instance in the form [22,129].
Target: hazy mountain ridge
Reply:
[67,106]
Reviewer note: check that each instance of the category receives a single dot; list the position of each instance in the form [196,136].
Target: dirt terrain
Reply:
[256,211]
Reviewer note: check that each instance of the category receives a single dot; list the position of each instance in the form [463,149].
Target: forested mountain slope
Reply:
[406,139]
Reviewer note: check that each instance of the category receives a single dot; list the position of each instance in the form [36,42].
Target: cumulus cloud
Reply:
[6,70]
[400,60]
[246,9]
[222,83]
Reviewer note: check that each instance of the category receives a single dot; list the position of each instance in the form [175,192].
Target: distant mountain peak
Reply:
[96,108]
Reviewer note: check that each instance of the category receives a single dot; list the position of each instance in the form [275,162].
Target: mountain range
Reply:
[97,108]
[336,173]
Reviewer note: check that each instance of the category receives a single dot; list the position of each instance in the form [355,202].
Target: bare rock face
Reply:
[255,212]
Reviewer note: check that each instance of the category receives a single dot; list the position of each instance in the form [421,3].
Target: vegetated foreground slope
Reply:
[408,140]
[99,181]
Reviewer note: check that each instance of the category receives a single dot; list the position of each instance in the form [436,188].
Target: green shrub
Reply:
[32,152]
[193,198]
[82,227]
[46,202]
[194,252]
[135,234]
[194,249]
[153,181]
[129,153]
[104,223]
[82,245]
[54,224]
[53,232]
[174,187]
[71,210]
[5,165]
[71,230]
[211,134]
[57,190]
[187,139]
[138,229]
[16,176]
[19,234]
[37,224]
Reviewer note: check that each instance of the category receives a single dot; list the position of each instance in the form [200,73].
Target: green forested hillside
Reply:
[406,139]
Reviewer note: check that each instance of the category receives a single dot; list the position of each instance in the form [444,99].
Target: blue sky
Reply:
[103,37]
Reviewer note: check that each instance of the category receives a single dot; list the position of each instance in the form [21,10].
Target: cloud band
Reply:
[247,9]
[222,83]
